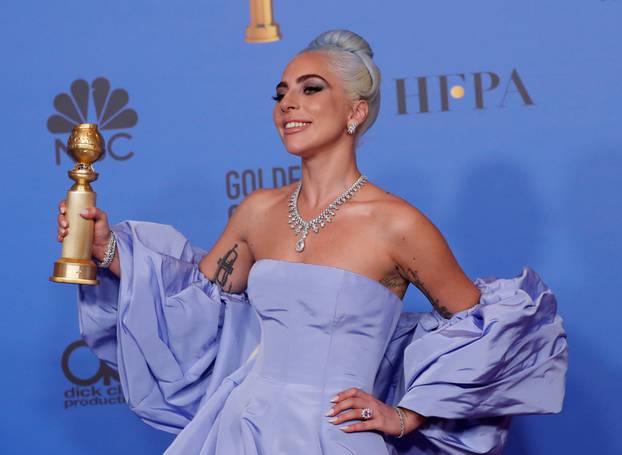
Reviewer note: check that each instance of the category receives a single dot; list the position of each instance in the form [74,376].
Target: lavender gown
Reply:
[253,373]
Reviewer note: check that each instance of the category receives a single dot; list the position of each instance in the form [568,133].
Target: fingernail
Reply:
[62,210]
[345,427]
[63,223]
[84,212]
[334,399]
[332,420]
[330,412]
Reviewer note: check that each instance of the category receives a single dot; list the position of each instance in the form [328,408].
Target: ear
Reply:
[360,108]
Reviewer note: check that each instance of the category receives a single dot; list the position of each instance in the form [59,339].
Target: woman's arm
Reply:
[423,257]
[462,373]
[228,262]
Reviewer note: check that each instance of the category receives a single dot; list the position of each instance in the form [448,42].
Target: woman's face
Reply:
[313,97]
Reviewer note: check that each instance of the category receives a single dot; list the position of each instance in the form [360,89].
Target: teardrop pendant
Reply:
[300,245]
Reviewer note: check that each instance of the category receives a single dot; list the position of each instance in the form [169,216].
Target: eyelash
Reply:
[315,88]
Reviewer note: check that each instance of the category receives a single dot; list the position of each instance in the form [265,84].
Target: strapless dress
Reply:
[253,372]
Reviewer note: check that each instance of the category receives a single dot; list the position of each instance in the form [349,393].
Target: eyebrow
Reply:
[302,78]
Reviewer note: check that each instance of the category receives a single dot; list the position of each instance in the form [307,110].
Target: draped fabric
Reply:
[469,374]
[173,336]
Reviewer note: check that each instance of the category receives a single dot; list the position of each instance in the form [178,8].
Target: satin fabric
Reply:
[253,373]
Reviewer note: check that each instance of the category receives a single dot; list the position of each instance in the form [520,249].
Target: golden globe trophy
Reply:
[85,146]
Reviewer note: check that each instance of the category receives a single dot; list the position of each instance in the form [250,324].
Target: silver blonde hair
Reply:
[350,56]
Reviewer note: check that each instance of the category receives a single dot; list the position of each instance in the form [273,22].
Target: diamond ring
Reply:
[366,413]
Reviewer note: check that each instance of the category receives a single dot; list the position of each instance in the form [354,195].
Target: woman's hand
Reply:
[101,231]
[384,417]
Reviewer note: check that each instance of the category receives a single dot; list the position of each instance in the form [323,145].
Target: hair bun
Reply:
[343,39]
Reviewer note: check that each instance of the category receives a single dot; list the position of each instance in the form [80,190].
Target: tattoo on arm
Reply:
[412,276]
[225,268]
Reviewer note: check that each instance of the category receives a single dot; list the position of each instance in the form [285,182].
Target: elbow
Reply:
[467,300]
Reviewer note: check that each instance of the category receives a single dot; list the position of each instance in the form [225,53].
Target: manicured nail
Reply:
[330,412]
[334,399]
[332,420]
[84,212]
[345,427]
[62,210]
[63,223]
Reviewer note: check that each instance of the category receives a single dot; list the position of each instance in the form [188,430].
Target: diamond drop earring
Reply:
[351,128]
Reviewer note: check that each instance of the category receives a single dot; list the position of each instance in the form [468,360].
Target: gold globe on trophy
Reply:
[85,146]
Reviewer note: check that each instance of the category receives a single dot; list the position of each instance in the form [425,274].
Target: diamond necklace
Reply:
[299,225]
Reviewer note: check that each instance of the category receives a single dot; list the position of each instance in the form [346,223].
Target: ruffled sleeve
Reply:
[172,334]
[469,374]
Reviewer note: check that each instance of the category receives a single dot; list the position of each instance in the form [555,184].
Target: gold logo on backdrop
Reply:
[457,91]
[262,29]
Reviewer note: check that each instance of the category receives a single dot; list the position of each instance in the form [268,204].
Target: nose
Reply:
[288,102]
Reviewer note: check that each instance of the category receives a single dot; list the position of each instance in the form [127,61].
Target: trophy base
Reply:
[75,271]
[262,34]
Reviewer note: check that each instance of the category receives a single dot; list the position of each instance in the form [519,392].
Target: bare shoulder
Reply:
[399,217]
[258,200]
[263,198]
[257,204]
[229,261]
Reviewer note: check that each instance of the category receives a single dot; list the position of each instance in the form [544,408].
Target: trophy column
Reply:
[75,265]
[262,29]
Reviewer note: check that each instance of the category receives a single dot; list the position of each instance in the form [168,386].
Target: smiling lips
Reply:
[295,126]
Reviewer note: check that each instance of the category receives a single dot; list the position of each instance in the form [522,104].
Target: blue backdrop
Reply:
[524,168]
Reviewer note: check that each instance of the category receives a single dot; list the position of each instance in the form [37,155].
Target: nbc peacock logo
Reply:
[94,103]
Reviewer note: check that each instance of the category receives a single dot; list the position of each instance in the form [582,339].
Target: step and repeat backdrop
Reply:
[499,120]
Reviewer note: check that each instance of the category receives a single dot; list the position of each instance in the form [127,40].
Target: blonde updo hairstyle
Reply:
[350,56]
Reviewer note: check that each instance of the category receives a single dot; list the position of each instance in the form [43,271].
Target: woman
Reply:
[273,343]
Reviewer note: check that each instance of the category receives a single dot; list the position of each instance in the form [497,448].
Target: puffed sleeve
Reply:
[174,336]
[469,374]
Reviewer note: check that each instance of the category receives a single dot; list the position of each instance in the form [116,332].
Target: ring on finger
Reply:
[366,413]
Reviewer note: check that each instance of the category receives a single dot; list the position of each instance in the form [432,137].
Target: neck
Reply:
[326,175]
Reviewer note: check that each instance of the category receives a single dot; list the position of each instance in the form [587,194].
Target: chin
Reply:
[297,147]
[304,149]
[297,150]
